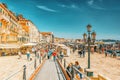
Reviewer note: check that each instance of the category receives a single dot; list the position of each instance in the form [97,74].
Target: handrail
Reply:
[25,69]
[10,76]
[81,73]
[32,77]
[66,76]
[58,66]
[85,76]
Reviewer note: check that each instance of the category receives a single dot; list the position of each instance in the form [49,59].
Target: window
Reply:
[0,24]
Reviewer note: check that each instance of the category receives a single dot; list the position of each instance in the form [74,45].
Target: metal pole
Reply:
[88,49]
[24,72]
[35,63]
[40,59]
[64,63]
[72,73]
[61,60]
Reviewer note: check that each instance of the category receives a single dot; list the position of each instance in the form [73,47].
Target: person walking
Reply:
[80,53]
[54,55]
[61,54]
[103,50]
[38,53]
[28,55]
[92,50]
[20,55]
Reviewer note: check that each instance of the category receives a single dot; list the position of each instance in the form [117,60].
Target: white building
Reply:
[47,37]
[34,35]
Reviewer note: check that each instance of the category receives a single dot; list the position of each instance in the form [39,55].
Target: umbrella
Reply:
[30,44]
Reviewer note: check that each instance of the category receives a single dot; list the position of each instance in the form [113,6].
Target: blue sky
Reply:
[69,18]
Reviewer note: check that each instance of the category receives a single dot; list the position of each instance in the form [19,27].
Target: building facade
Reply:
[8,25]
[47,37]
[24,34]
[33,33]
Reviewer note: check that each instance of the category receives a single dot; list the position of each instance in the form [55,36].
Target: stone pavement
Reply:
[107,66]
[11,68]
[50,71]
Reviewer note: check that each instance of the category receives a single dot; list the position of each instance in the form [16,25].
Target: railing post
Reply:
[61,60]
[35,63]
[24,72]
[40,59]
[64,63]
[72,73]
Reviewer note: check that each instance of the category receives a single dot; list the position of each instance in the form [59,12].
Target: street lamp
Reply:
[89,40]
[93,36]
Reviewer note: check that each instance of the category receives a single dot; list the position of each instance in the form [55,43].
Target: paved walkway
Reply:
[11,68]
[50,71]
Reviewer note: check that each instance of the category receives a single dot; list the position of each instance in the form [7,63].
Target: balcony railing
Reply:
[4,17]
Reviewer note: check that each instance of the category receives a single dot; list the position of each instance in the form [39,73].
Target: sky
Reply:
[69,18]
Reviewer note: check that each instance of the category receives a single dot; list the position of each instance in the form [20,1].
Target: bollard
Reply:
[61,60]
[72,73]
[35,63]
[24,72]
[40,59]
[64,63]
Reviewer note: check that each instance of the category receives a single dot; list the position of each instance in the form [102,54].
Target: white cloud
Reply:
[46,8]
[63,5]
[97,7]
[73,6]
[68,6]
[90,2]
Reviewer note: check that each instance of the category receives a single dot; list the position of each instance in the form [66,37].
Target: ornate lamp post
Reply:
[93,36]
[89,40]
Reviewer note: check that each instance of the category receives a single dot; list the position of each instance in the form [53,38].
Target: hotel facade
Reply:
[16,29]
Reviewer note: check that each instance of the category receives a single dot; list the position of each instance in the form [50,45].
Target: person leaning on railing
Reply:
[69,69]
[79,68]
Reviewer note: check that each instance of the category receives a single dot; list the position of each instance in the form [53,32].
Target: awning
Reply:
[8,46]
[30,44]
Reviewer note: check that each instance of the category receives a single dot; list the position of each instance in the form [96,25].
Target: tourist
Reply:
[80,52]
[28,55]
[100,49]
[92,50]
[103,49]
[69,69]
[54,55]
[83,51]
[20,55]
[106,52]
[79,68]
[38,53]
[49,53]
[114,53]
[95,48]
[61,54]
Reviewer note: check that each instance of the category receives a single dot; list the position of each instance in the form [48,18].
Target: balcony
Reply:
[4,17]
